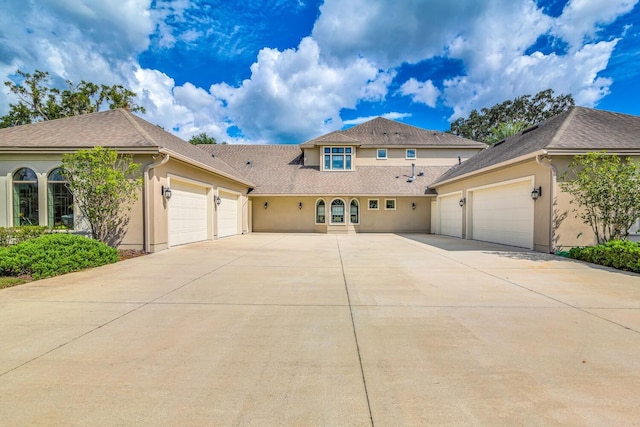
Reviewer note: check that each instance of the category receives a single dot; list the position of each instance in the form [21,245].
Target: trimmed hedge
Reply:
[620,254]
[15,235]
[54,254]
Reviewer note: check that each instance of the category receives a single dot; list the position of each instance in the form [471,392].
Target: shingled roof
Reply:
[119,129]
[279,170]
[381,132]
[577,130]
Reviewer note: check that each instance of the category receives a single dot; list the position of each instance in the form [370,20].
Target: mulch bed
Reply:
[129,253]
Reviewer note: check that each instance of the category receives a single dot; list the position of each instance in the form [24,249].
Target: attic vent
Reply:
[249,163]
[529,129]
[213,155]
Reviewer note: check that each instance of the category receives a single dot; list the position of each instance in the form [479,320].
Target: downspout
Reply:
[552,195]
[147,213]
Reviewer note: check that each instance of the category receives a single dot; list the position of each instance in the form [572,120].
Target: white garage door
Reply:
[503,214]
[450,215]
[188,213]
[228,214]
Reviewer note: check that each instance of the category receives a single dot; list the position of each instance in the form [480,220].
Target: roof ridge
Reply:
[145,135]
[562,128]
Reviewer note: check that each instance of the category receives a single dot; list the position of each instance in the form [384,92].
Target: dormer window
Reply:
[338,158]
[381,154]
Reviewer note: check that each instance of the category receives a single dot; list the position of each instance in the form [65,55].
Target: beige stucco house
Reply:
[380,176]
[491,196]
[208,197]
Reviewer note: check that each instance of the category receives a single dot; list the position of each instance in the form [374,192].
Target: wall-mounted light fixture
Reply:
[300,205]
[462,201]
[266,205]
[413,206]
[537,192]
[166,192]
[218,200]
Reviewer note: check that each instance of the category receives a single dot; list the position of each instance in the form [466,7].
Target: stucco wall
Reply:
[284,215]
[425,157]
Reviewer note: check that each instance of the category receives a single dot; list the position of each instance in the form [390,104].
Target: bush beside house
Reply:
[620,254]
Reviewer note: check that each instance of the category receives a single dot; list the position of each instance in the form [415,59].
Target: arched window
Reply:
[25,197]
[354,212]
[320,212]
[59,200]
[337,211]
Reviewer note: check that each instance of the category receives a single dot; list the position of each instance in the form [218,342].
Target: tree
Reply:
[606,188]
[37,101]
[104,185]
[202,138]
[504,131]
[524,109]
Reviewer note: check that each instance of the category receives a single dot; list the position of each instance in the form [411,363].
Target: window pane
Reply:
[25,174]
[327,150]
[337,150]
[55,175]
[320,216]
[25,204]
[60,205]
[347,150]
[373,204]
[390,204]
[337,161]
[327,161]
[348,161]
[354,212]
[411,154]
[382,154]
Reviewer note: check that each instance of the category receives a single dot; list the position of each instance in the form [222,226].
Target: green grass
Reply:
[7,282]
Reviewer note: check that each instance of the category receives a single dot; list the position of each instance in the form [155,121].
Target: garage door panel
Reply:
[188,213]
[450,216]
[228,215]
[503,214]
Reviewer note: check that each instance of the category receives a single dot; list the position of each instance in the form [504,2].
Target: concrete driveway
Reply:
[373,329]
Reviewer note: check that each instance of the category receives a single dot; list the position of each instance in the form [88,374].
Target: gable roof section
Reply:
[575,131]
[381,132]
[117,129]
[279,170]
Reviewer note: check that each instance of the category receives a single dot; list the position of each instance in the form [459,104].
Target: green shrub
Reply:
[620,254]
[54,254]
[15,235]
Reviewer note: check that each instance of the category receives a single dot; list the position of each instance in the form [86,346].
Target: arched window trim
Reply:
[59,201]
[317,213]
[335,213]
[357,215]
[25,198]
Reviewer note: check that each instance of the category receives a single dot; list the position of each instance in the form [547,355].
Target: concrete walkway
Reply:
[272,329]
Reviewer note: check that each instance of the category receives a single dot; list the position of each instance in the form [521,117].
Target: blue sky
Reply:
[285,71]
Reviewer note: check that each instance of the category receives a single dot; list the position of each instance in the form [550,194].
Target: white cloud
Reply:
[394,115]
[294,95]
[423,92]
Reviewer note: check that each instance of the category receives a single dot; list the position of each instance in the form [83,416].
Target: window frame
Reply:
[380,150]
[415,154]
[324,204]
[377,204]
[51,193]
[33,185]
[357,206]
[344,217]
[333,153]
[386,204]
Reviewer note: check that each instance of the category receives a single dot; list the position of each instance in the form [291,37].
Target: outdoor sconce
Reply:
[266,205]
[537,192]
[166,192]
[462,201]
[413,206]
[300,205]
[218,200]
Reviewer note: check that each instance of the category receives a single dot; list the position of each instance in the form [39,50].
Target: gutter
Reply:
[552,195]
[145,204]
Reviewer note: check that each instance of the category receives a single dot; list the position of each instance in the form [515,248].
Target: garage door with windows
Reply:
[188,213]
[450,215]
[503,214]
[228,214]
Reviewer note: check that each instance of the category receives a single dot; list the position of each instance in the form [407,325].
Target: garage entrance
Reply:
[228,214]
[450,215]
[188,215]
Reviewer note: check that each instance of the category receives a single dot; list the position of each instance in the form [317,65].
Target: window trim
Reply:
[357,213]
[386,208]
[377,204]
[386,154]
[316,211]
[415,154]
[50,206]
[348,151]
[344,216]
[15,200]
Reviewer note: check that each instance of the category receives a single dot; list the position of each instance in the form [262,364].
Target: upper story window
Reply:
[338,158]
[381,153]
[411,153]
